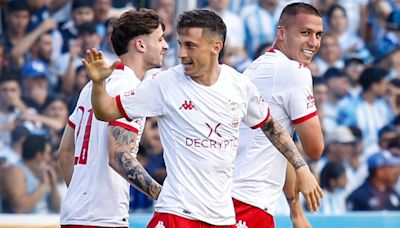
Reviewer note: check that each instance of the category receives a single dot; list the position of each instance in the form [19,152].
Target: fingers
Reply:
[313,199]
[115,64]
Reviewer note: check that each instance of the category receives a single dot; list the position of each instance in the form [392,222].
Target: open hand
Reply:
[308,185]
[96,65]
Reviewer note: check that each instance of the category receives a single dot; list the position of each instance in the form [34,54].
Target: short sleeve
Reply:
[257,109]
[144,101]
[300,102]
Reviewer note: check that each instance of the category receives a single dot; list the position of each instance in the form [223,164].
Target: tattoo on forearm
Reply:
[282,141]
[130,166]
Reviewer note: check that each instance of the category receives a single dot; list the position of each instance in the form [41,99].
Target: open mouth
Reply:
[307,52]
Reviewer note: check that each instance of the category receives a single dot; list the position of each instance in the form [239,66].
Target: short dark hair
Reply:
[8,78]
[87,28]
[209,21]
[32,145]
[332,9]
[371,76]
[334,72]
[296,8]
[132,24]
[332,170]
[17,5]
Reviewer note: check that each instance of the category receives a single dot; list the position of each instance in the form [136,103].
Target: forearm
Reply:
[26,43]
[26,203]
[283,142]
[104,106]
[55,199]
[66,154]
[130,168]
[121,143]
[68,79]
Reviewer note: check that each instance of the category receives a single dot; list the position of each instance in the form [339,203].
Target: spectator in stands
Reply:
[330,55]
[102,15]
[42,50]
[30,186]
[356,168]
[69,62]
[80,81]
[320,91]
[260,20]
[353,69]
[337,20]
[53,119]
[333,181]
[35,84]
[41,11]
[377,192]
[166,10]
[386,134]
[11,108]
[338,88]
[13,153]
[82,12]
[370,112]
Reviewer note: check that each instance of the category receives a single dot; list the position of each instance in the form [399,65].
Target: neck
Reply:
[369,97]
[32,165]
[136,64]
[378,184]
[210,77]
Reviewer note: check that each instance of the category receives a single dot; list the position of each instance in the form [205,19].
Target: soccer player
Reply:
[97,195]
[200,105]
[283,79]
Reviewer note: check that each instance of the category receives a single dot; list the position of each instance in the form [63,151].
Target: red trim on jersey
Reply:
[71,124]
[271,50]
[121,108]
[252,216]
[304,118]
[124,125]
[86,226]
[120,67]
[76,160]
[263,122]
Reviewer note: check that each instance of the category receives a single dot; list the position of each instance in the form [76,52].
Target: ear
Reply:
[140,45]
[280,33]
[218,45]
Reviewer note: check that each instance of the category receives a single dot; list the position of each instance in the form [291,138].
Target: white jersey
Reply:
[97,195]
[260,168]
[199,130]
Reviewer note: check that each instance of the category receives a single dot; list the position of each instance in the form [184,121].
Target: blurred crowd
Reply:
[356,79]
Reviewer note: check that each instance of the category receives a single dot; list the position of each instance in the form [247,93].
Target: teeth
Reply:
[307,52]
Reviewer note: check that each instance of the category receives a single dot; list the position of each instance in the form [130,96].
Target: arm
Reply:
[297,215]
[121,143]
[66,154]
[55,124]
[27,42]
[104,106]
[305,180]
[55,5]
[20,200]
[311,137]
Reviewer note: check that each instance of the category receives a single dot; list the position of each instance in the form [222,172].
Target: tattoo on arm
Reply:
[131,168]
[283,142]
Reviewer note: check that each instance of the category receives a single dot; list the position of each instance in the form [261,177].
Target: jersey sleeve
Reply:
[119,85]
[144,101]
[299,99]
[257,109]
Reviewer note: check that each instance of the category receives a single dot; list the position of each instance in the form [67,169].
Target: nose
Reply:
[182,52]
[314,41]
[165,45]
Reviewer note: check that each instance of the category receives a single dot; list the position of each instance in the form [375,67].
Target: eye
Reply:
[305,33]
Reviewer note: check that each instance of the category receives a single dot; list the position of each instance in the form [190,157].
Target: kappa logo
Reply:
[160,224]
[188,105]
[215,130]
[241,224]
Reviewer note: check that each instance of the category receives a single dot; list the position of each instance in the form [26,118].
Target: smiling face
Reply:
[156,47]
[300,38]
[198,52]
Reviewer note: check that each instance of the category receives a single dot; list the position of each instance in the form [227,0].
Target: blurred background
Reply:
[356,78]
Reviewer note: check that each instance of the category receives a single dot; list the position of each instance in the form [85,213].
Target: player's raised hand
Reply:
[96,66]
[308,185]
